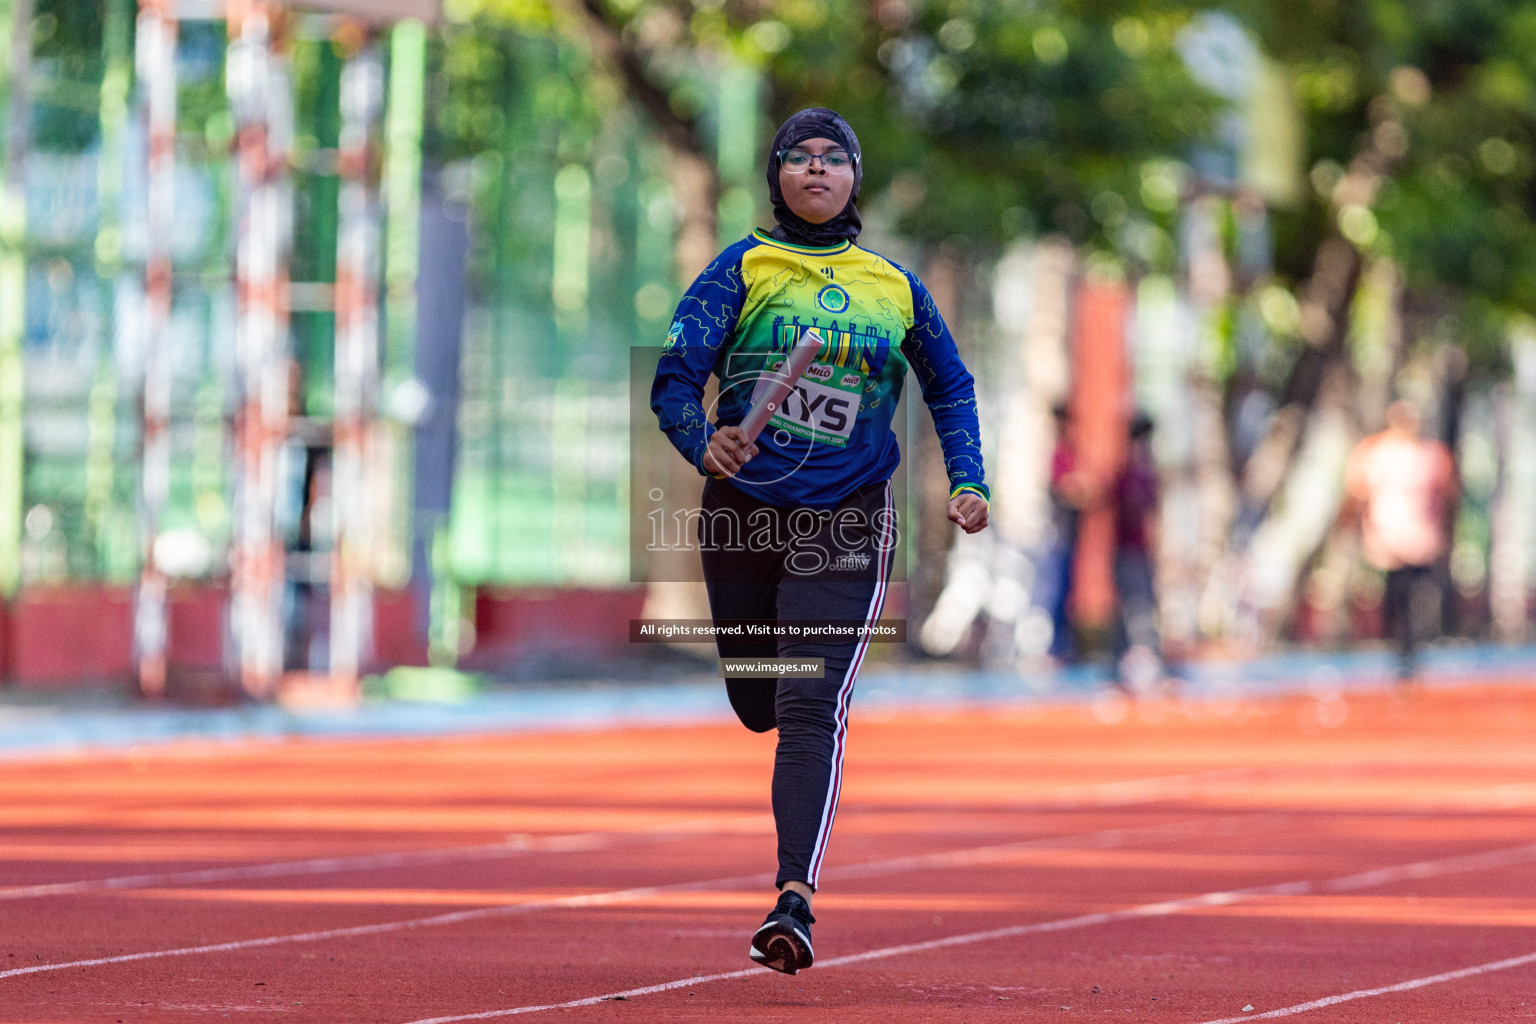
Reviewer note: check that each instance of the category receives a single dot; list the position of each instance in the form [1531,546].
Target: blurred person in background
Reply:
[1135,495]
[825,458]
[1072,490]
[1402,488]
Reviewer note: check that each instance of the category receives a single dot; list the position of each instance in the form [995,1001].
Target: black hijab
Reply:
[815,123]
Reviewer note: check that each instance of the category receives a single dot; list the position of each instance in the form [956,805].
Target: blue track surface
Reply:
[38,726]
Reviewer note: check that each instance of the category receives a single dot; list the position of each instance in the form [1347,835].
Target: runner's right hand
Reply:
[728,451]
[968,511]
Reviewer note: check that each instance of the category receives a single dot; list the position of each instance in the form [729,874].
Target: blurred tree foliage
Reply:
[1448,92]
[1009,118]
[1075,116]
[66,46]
[1016,117]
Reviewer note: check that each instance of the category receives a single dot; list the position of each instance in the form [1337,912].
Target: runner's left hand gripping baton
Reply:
[776,386]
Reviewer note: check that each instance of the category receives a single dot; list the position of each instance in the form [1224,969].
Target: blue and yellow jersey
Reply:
[833,435]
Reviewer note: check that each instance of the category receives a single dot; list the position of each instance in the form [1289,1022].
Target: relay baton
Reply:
[776,386]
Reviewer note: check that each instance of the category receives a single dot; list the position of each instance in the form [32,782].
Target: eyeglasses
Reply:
[798,161]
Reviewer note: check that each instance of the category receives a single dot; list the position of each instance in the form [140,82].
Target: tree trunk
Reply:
[1513,537]
[1325,307]
[676,591]
[1309,436]
[695,178]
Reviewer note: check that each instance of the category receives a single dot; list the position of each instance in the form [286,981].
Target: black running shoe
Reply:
[784,941]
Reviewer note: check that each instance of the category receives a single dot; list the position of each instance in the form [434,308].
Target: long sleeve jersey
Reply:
[833,434]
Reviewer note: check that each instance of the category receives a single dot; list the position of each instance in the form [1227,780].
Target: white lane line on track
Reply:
[1487,861]
[1402,986]
[1417,869]
[571,843]
[649,990]
[1498,798]
[316,866]
[1104,794]
[1108,838]
[1144,791]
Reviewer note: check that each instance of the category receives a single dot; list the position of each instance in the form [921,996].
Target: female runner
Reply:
[799,527]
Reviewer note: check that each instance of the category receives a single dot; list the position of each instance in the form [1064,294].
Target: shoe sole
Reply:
[781,948]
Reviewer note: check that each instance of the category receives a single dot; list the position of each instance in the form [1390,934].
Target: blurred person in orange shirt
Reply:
[1403,488]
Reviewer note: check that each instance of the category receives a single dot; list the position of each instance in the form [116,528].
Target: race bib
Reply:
[823,405]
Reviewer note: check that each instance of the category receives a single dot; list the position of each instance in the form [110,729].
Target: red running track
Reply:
[1179,862]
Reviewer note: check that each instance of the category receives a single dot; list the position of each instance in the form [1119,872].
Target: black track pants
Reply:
[833,567]
[1403,585]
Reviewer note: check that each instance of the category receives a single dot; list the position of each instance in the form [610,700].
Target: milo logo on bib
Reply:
[823,405]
